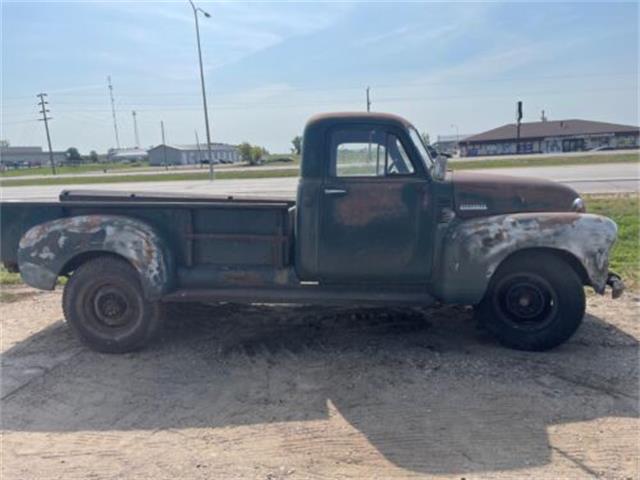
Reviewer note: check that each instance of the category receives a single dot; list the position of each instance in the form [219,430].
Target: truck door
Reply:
[375,219]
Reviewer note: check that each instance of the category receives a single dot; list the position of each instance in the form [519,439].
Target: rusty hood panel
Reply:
[484,194]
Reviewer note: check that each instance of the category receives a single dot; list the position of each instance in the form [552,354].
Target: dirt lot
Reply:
[292,393]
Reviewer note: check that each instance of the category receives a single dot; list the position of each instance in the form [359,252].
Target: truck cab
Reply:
[365,202]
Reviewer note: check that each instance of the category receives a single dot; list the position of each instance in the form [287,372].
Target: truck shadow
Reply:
[426,389]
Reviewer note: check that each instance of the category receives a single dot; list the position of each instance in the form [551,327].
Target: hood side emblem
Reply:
[473,207]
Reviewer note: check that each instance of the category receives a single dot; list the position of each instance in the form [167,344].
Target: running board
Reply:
[312,294]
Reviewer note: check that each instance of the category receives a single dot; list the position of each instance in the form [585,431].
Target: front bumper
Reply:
[616,284]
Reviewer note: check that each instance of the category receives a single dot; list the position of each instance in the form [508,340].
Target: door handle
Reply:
[334,191]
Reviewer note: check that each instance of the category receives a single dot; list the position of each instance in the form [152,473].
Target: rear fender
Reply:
[46,249]
[473,250]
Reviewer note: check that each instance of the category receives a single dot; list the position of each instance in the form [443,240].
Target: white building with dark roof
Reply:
[551,137]
[192,154]
[15,157]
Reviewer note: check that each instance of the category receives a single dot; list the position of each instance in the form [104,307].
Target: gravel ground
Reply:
[274,392]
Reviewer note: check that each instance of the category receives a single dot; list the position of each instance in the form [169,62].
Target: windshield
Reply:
[419,143]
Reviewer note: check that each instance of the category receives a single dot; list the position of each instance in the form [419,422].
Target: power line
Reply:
[189,106]
[20,121]
[44,110]
[383,85]
[234,106]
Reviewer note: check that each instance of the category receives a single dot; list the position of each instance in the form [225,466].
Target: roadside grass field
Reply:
[625,258]
[84,168]
[625,211]
[552,161]
[250,172]
[260,172]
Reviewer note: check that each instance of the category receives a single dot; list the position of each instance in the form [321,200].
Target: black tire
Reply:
[104,305]
[533,303]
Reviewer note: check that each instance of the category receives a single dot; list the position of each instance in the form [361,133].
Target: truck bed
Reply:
[128,196]
[203,232]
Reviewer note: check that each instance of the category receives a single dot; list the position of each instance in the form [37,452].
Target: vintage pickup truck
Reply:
[377,221]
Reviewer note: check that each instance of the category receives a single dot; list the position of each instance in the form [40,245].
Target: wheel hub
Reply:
[111,307]
[526,301]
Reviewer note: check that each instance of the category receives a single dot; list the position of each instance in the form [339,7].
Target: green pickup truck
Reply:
[377,220]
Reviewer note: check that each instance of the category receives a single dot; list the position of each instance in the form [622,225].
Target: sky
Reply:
[451,68]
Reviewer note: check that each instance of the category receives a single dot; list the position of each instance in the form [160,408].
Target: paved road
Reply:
[125,172]
[605,178]
[287,166]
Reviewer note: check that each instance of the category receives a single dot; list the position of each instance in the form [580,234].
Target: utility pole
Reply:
[199,151]
[113,112]
[204,93]
[164,145]
[519,119]
[44,110]
[135,129]
[368,100]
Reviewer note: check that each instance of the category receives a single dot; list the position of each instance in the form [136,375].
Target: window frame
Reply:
[331,167]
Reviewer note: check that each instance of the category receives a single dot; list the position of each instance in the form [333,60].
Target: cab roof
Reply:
[373,117]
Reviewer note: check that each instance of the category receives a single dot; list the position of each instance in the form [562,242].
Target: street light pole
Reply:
[204,92]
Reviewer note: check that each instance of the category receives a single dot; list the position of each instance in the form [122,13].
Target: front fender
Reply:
[46,249]
[472,250]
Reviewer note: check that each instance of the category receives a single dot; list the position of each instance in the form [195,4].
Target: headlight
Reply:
[578,206]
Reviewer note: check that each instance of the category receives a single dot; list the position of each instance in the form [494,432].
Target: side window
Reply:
[398,162]
[368,153]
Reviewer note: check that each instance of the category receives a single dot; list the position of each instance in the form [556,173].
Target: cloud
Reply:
[234,31]
[504,58]
[444,25]
[381,37]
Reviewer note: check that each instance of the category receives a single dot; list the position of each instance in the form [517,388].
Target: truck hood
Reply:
[484,194]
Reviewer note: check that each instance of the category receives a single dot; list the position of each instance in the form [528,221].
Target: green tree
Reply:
[245,150]
[252,153]
[425,138]
[93,156]
[73,155]
[257,153]
[297,144]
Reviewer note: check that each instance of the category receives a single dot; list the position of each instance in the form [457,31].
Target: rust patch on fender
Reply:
[51,245]
[473,249]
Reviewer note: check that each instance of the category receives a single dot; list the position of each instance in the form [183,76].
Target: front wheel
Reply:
[104,304]
[533,303]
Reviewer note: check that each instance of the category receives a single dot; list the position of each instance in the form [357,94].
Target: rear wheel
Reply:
[533,303]
[104,304]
